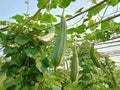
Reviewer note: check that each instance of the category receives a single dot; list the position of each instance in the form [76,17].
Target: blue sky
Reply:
[9,8]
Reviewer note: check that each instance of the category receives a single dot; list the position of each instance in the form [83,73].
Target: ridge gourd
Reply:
[60,44]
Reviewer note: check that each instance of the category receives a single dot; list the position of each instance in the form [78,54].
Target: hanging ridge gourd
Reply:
[48,37]
[60,44]
[94,59]
[74,66]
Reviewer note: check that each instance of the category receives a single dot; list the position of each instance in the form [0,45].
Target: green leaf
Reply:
[31,52]
[13,69]
[11,81]
[48,18]
[6,38]
[38,16]
[91,22]
[71,30]
[79,10]
[14,60]
[28,88]
[40,3]
[81,29]
[85,20]
[9,50]
[99,34]
[90,36]
[18,59]
[39,76]
[45,64]
[3,22]
[4,68]
[59,16]
[105,25]
[102,35]
[18,18]
[25,88]
[55,87]
[65,3]
[22,39]
[113,2]
[68,16]
[94,2]
[53,4]
[33,25]
[95,10]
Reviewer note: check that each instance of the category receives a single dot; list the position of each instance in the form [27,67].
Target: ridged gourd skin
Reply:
[93,57]
[60,44]
[74,66]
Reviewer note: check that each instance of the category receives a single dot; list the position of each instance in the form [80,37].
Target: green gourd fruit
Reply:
[60,44]
[74,66]
[93,57]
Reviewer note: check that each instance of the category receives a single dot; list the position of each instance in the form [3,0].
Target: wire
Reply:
[108,46]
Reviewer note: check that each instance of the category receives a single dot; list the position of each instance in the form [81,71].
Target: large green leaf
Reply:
[12,70]
[48,18]
[40,3]
[113,2]
[18,59]
[4,67]
[12,81]
[39,77]
[94,1]
[18,18]
[45,64]
[22,39]
[53,4]
[80,29]
[95,10]
[71,30]
[90,36]
[9,50]
[3,39]
[3,22]
[28,87]
[91,22]
[102,35]
[105,25]
[31,52]
[65,3]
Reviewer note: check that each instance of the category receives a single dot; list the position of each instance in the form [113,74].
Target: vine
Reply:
[27,62]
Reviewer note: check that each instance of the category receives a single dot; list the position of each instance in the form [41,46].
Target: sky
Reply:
[9,8]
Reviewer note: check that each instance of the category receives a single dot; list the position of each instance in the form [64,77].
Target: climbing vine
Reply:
[27,50]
